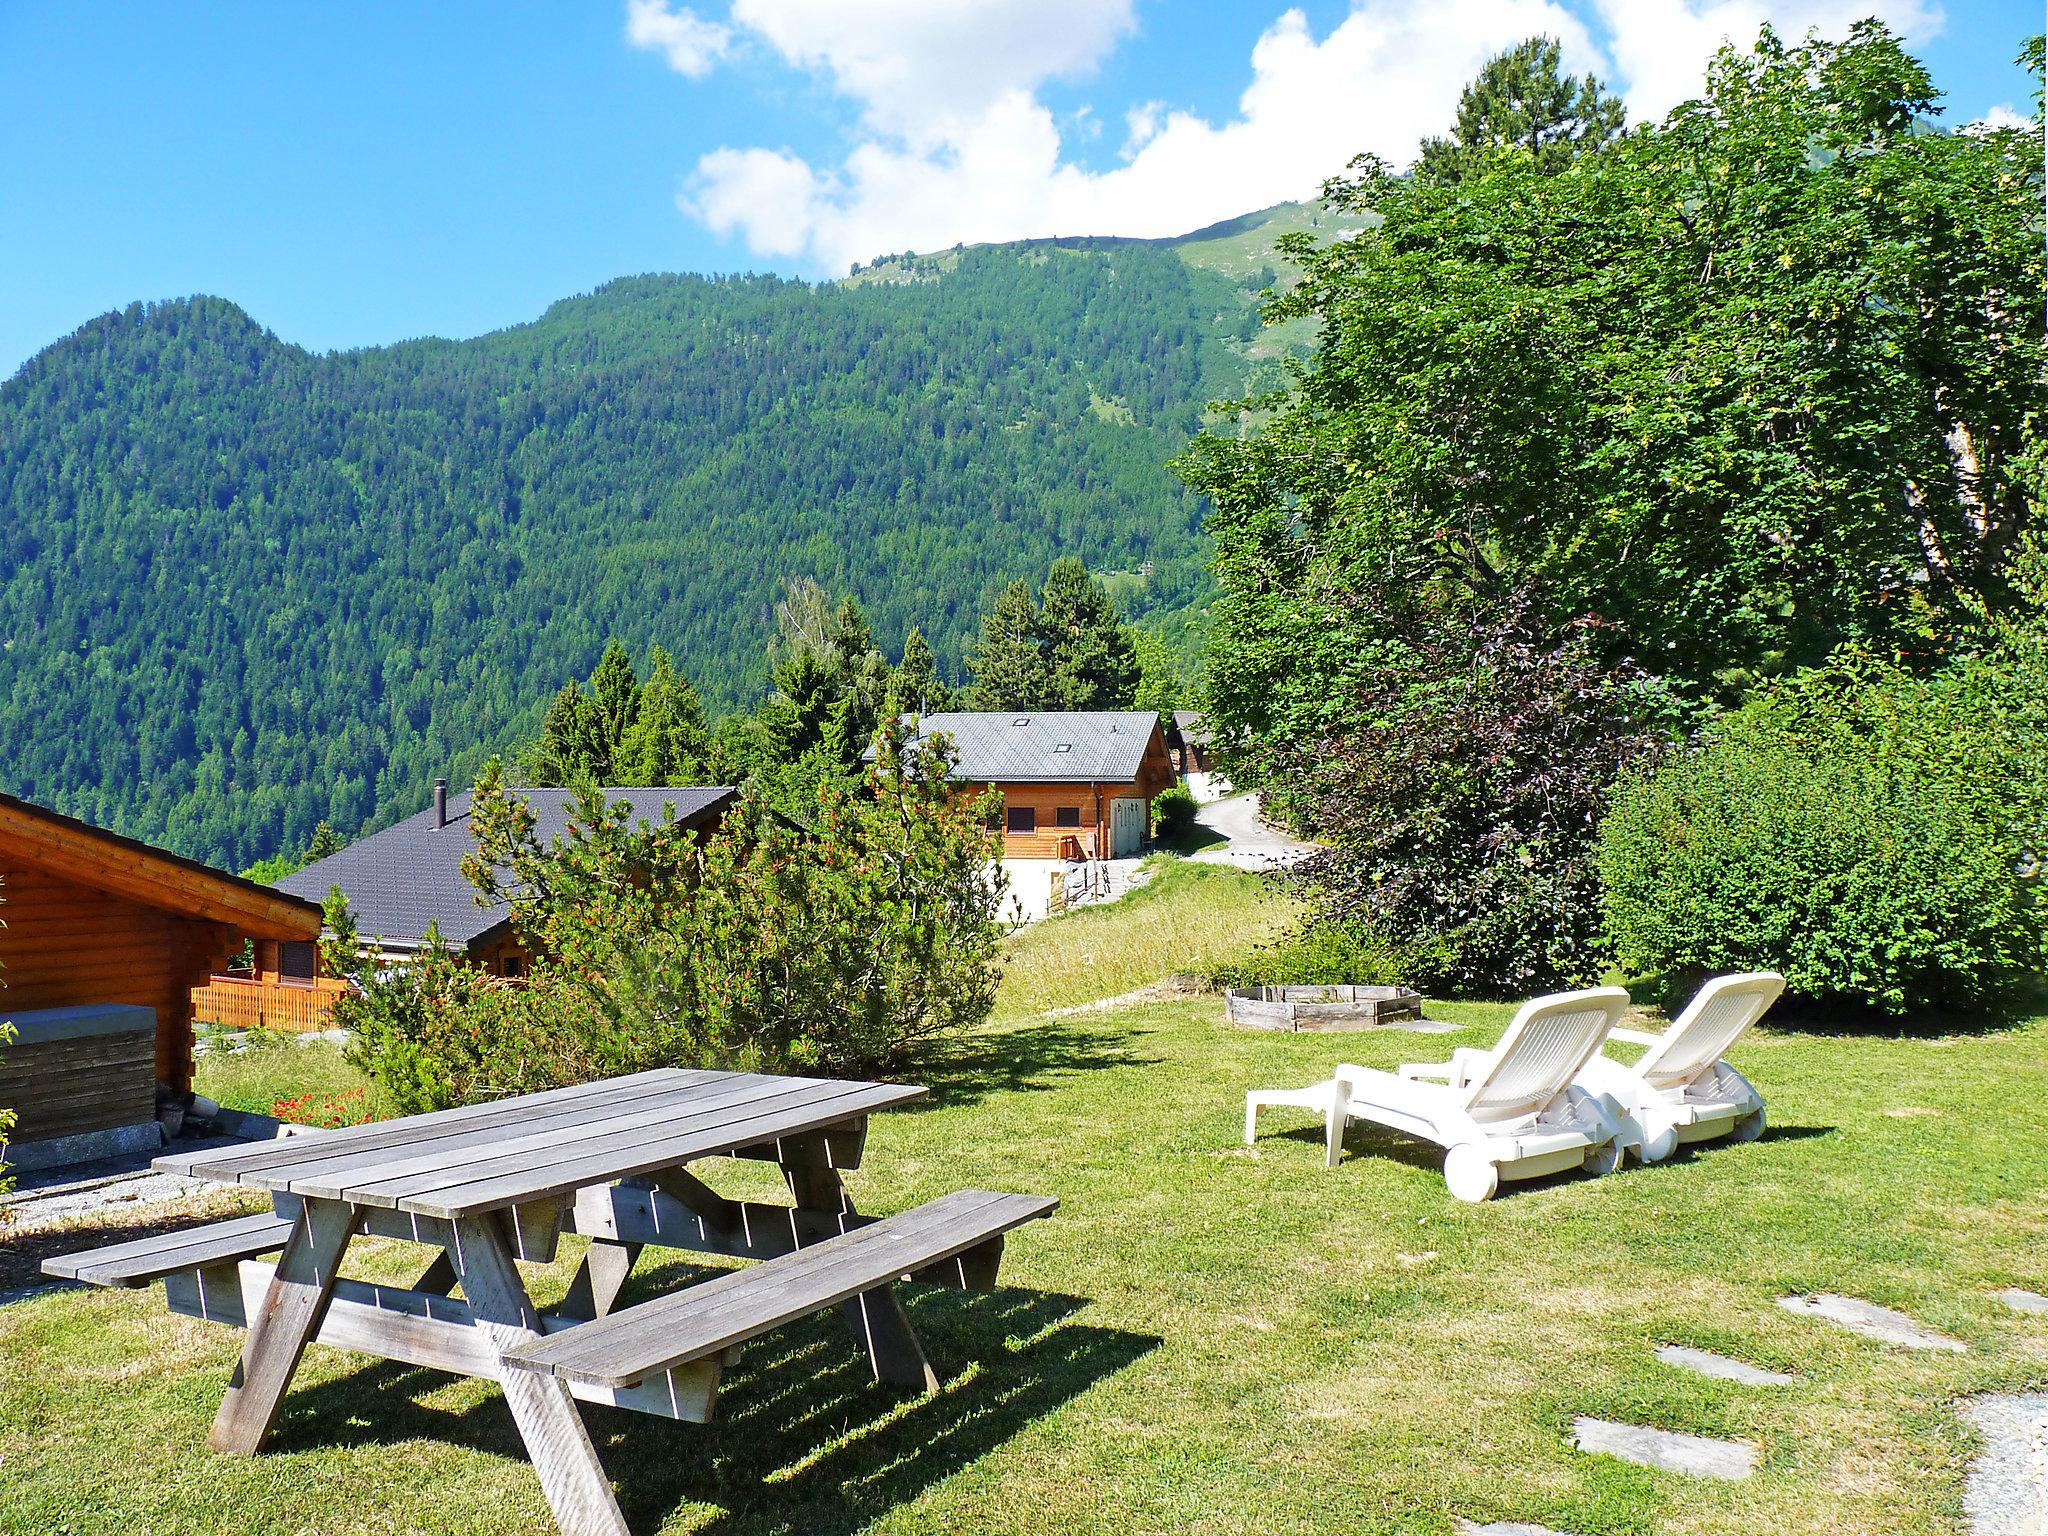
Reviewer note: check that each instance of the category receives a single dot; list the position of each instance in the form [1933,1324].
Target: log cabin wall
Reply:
[67,943]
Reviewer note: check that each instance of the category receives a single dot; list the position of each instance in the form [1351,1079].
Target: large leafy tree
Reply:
[1752,383]
[1522,99]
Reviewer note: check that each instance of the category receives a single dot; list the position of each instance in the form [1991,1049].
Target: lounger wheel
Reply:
[1604,1159]
[1749,1127]
[1471,1174]
[1660,1144]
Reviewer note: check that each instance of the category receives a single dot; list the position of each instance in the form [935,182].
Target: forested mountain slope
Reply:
[244,588]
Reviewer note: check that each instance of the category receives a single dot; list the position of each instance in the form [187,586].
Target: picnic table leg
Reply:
[292,1309]
[440,1277]
[599,1278]
[876,1316]
[559,1446]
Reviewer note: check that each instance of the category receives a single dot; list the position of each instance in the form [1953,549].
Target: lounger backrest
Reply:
[1713,1021]
[1546,1046]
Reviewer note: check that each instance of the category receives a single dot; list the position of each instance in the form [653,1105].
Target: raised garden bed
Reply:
[1334,1008]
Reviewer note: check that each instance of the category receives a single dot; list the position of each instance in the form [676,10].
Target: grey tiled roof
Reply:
[408,876]
[1047,746]
[1193,728]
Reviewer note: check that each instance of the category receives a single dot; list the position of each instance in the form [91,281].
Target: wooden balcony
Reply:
[266,1002]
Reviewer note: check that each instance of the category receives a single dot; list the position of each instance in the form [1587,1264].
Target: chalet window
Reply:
[295,960]
[993,821]
[1023,818]
[1067,816]
[512,966]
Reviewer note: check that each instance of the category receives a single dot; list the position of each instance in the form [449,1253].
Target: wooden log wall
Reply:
[67,943]
[91,1083]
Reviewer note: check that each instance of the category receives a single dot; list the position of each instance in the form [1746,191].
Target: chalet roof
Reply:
[1193,727]
[1047,746]
[408,877]
[156,877]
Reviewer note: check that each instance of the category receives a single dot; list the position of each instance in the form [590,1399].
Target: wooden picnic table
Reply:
[491,1184]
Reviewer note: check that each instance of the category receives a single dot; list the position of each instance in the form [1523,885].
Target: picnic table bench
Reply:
[493,1184]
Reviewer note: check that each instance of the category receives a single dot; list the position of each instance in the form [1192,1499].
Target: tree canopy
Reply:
[1749,384]
[1064,647]
[1521,99]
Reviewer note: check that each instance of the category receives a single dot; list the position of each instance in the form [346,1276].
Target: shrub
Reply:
[839,948]
[1458,788]
[1173,812]
[1324,955]
[1874,837]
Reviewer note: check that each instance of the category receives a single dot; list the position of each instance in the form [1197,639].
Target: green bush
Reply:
[1874,837]
[1173,812]
[1324,954]
[839,948]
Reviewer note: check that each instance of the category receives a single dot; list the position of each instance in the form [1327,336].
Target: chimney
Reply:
[440,804]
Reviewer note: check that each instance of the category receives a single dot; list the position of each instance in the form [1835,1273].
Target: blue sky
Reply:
[368,172]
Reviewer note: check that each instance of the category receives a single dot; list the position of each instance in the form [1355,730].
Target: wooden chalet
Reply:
[408,878]
[102,940]
[1075,783]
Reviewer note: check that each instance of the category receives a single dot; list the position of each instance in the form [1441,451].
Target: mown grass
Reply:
[1206,1337]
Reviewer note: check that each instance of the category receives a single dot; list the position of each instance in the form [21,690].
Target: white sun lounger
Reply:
[1680,1090]
[1513,1112]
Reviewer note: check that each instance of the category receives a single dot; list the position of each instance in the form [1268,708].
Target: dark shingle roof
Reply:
[1047,746]
[1193,728]
[406,877]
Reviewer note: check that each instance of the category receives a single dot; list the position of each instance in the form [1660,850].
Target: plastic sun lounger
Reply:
[1681,1090]
[1513,1112]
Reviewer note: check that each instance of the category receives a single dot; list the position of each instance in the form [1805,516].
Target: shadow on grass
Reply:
[803,1439]
[1192,838]
[1034,1058]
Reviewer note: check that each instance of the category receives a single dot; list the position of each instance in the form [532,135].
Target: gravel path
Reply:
[2006,1492]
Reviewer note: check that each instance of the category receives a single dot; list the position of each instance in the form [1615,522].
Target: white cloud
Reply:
[691,44]
[1661,47]
[981,159]
[922,69]
[2004,115]
[956,146]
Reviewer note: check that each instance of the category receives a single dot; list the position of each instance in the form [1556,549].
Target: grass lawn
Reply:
[1206,1338]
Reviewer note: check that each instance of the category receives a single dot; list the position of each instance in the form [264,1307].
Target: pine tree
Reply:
[1522,98]
[326,841]
[668,741]
[616,692]
[572,748]
[1009,661]
[1091,660]
[917,687]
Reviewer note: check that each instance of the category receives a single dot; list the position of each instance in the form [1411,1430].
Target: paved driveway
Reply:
[1249,842]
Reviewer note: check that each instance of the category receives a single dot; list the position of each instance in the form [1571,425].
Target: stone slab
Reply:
[1665,1449]
[2006,1490]
[1872,1321]
[2023,1301]
[86,1146]
[1507,1528]
[1707,1363]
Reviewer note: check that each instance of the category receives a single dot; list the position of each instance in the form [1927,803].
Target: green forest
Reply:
[245,589]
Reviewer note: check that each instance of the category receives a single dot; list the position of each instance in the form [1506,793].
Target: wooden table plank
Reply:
[396,1169]
[227,1164]
[652,1151]
[554,1119]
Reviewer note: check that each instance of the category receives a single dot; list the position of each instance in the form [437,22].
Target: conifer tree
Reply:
[917,687]
[1089,657]
[572,748]
[1522,98]
[616,692]
[1008,662]
[668,741]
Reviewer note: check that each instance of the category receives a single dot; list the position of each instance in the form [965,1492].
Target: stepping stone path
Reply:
[2023,1301]
[1665,1449]
[1707,1363]
[2006,1492]
[1871,1320]
[1506,1528]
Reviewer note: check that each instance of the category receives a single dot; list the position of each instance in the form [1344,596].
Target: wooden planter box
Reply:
[1334,1008]
[73,1071]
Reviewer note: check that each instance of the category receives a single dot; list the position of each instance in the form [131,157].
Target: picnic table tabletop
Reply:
[485,1157]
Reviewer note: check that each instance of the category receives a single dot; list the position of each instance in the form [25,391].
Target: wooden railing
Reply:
[242,1002]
